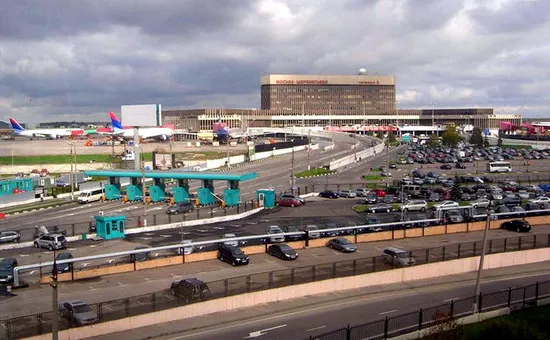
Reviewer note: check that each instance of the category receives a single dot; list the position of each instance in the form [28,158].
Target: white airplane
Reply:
[161,133]
[45,133]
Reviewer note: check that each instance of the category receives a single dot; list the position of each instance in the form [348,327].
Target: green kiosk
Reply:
[110,227]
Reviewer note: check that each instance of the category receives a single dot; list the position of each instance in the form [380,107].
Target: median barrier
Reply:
[202,256]
[457,228]
[476,226]
[60,277]
[413,232]
[401,275]
[96,272]
[159,262]
[398,234]
[437,230]
[251,250]
[318,242]
[297,244]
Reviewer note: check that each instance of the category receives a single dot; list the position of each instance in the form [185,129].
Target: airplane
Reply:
[46,133]
[160,133]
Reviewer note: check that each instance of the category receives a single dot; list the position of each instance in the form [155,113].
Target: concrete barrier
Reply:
[457,228]
[431,270]
[414,232]
[251,250]
[95,272]
[207,255]
[437,230]
[161,262]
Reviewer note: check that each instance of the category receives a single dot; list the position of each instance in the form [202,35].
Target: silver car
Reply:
[313,231]
[274,230]
[51,242]
[78,312]
[231,243]
[398,257]
[186,249]
[414,205]
[9,236]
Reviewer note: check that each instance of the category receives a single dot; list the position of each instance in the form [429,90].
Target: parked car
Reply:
[361,192]
[516,225]
[296,197]
[540,199]
[292,229]
[64,267]
[398,257]
[454,216]
[180,208]
[190,290]
[274,230]
[328,194]
[445,167]
[446,205]
[51,242]
[232,255]
[282,251]
[186,249]
[414,205]
[342,244]
[230,243]
[7,266]
[78,312]
[142,256]
[480,203]
[313,231]
[380,207]
[9,236]
[289,202]
[347,194]
[371,198]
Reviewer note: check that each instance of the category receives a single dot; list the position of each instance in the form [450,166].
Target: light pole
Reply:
[143,186]
[292,169]
[73,167]
[55,308]
[482,259]
[308,148]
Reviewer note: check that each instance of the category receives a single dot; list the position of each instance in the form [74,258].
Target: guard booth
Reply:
[110,227]
[266,198]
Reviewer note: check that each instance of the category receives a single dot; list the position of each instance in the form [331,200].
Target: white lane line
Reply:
[388,312]
[24,255]
[32,272]
[452,299]
[315,328]
[93,246]
[256,334]
[85,264]
[111,261]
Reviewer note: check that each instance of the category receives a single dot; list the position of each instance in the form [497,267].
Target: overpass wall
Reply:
[402,275]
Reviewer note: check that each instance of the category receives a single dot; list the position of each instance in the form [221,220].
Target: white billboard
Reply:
[141,115]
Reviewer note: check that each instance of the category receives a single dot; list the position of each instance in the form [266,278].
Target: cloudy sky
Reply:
[67,59]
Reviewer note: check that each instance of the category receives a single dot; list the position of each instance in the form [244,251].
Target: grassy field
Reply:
[313,172]
[100,158]
[372,177]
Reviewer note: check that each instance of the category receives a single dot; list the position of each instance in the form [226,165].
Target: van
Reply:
[398,257]
[412,189]
[88,196]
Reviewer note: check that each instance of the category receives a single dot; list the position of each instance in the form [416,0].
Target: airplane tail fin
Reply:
[117,125]
[15,125]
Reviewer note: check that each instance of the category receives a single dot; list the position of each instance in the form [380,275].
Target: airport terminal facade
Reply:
[338,100]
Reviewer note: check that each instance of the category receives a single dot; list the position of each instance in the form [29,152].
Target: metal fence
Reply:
[73,229]
[513,298]
[30,325]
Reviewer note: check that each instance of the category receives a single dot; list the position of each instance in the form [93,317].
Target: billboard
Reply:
[141,115]
[163,161]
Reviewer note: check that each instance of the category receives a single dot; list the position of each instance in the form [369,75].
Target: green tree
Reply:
[380,135]
[434,140]
[476,138]
[391,137]
[450,136]
[486,142]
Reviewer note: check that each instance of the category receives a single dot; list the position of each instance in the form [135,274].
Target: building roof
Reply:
[293,79]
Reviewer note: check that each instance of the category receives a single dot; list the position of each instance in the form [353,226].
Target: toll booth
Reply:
[181,192]
[110,227]
[133,190]
[112,190]
[266,198]
[206,193]
[157,192]
[232,195]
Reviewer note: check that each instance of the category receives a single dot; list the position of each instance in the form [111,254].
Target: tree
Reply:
[380,135]
[450,136]
[476,138]
[434,140]
[486,142]
[391,137]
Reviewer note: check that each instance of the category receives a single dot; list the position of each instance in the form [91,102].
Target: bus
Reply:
[499,167]
[93,195]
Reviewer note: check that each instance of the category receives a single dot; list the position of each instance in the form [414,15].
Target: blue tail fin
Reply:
[15,125]
[115,122]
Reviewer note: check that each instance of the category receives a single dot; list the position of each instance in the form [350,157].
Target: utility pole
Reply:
[55,307]
[292,169]
[143,189]
[330,123]
[71,146]
[171,154]
[482,259]
[308,148]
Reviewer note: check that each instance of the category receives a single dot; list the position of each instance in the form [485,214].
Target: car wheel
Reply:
[173,291]
[16,241]
[292,205]
[50,247]
[422,209]
[517,230]
[36,244]
[406,210]
[233,263]
[222,259]
[388,210]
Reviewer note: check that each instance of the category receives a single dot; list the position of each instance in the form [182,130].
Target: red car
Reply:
[289,202]
[380,192]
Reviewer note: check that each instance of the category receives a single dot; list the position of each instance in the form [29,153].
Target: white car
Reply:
[480,203]
[541,199]
[523,194]
[273,230]
[231,243]
[446,204]
[414,205]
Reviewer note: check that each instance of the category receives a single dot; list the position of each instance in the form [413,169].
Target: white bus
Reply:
[87,196]
[499,167]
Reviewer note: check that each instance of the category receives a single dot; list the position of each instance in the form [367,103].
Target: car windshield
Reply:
[292,229]
[275,231]
[174,206]
[82,309]
[5,268]
[285,247]
[236,251]
[402,255]
[344,241]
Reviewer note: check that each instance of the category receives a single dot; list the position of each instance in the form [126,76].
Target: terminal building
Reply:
[331,100]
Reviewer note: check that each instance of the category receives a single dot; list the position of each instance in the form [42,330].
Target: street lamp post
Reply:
[55,308]
[73,167]
[482,259]
[292,184]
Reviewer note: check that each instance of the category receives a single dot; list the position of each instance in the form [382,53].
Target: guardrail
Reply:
[389,327]
[40,323]
[306,235]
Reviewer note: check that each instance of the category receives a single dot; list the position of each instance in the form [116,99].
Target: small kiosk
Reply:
[110,227]
[266,198]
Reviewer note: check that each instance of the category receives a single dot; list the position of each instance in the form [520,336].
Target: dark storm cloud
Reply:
[28,19]
[513,16]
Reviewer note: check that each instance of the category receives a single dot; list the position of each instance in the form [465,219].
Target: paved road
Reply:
[315,315]
[271,173]
[36,298]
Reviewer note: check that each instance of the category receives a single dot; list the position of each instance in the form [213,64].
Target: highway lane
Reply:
[315,315]
[271,173]
[36,298]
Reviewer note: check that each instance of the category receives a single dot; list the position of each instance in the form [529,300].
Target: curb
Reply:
[35,209]
[332,173]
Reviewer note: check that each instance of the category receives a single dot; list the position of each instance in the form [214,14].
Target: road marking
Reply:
[315,328]
[145,238]
[32,272]
[93,246]
[388,312]
[92,288]
[121,284]
[110,261]
[85,264]
[166,236]
[71,249]
[452,299]
[24,255]
[256,334]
